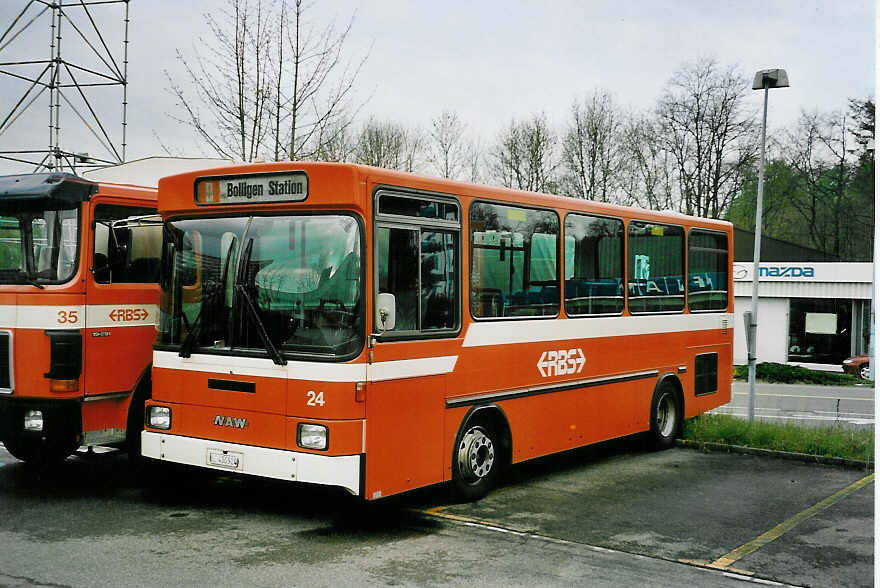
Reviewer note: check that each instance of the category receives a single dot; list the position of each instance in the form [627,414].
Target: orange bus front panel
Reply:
[221,390]
[227,424]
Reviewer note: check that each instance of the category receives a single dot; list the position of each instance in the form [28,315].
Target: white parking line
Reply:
[869,399]
[828,413]
[850,420]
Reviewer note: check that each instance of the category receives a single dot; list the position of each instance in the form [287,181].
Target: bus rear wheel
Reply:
[665,416]
[476,463]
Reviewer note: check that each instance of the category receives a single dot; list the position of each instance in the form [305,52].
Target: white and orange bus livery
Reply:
[78,312]
[378,331]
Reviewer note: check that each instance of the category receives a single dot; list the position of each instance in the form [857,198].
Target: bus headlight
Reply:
[33,420]
[311,436]
[159,417]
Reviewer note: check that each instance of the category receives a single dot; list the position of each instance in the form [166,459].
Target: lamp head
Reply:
[770,78]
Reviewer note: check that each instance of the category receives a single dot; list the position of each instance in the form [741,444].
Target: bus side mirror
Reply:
[385,316]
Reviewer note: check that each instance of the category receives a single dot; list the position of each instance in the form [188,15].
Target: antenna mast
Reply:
[75,86]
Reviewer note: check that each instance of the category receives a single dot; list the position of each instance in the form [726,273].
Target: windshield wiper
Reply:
[29,280]
[194,328]
[261,329]
[249,304]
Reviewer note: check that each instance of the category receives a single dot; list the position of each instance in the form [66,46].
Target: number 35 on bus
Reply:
[378,331]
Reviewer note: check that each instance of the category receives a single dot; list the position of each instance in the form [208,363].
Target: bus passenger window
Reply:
[707,270]
[593,265]
[656,267]
[514,270]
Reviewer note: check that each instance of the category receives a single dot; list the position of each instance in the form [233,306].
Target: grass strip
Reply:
[845,443]
[781,373]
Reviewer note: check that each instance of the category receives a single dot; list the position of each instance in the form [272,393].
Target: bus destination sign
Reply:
[250,189]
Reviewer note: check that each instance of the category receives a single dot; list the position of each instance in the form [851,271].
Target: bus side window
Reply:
[514,266]
[398,253]
[707,270]
[417,261]
[656,267]
[129,254]
[593,265]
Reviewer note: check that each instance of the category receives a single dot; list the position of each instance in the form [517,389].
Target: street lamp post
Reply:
[764,80]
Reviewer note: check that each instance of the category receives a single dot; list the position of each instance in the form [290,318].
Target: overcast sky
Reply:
[491,61]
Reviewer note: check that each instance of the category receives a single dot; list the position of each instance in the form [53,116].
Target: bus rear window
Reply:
[707,271]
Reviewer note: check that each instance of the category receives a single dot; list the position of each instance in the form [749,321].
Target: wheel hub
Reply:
[476,454]
[665,415]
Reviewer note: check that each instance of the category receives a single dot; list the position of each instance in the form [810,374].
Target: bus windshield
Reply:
[300,274]
[38,245]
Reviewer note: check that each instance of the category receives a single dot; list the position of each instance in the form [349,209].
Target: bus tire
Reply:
[666,416]
[135,423]
[477,460]
[38,453]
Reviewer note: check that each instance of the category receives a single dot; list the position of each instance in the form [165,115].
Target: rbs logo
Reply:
[129,314]
[561,362]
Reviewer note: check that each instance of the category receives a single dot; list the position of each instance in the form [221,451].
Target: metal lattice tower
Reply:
[75,87]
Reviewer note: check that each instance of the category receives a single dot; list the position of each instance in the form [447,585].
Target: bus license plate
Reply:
[224,459]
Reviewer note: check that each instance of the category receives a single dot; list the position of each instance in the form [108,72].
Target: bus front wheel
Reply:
[477,461]
[665,416]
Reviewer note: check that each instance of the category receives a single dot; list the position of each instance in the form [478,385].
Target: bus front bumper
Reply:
[343,471]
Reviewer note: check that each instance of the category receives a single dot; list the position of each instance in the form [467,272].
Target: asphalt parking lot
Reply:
[787,521]
[609,515]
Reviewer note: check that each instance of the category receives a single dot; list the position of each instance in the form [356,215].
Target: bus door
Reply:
[417,303]
[122,298]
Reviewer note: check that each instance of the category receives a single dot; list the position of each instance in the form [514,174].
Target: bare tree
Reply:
[591,149]
[524,156]
[646,178]
[475,170]
[314,83]
[389,145]
[705,127]
[266,83]
[447,149]
[338,142]
[230,79]
[818,150]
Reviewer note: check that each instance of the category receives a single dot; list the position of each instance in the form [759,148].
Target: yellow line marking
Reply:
[437,511]
[724,562]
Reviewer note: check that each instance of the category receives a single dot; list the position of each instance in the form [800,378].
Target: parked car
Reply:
[858,365]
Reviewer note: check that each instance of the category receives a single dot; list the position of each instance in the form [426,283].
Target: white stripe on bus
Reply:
[77,316]
[481,334]
[306,370]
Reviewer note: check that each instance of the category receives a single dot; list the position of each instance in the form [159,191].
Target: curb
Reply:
[805,457]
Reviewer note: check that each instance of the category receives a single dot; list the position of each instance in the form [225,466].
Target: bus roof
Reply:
[176,193]
[51,186]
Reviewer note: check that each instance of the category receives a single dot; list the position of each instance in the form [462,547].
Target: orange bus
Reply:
[78,311]
[379,331]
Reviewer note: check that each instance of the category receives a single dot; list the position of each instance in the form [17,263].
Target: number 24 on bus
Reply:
[380,331]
